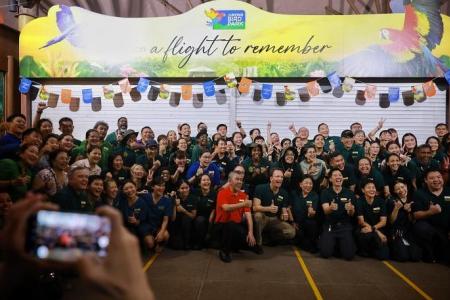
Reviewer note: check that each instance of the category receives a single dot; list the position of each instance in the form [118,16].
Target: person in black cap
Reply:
[372,217]
[151,160]
[349,150]
[127,147]
[338,206]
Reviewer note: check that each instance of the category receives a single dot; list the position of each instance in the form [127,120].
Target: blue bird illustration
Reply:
[67,26]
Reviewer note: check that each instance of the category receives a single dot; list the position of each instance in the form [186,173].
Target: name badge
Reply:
[401,178]
[308,203]
[355,152]
[83,203]
[137,210]
[280,199]
[224,163]
[345,200]
[447,198]
[345,178]
[210,200]
[376,210]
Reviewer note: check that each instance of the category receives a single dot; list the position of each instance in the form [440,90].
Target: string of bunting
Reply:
[262,91]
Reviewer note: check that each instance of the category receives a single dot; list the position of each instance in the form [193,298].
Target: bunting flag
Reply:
[266,91]
[334,79]
[66,96]
[257,94]
[174,99]
[313,88]
[209,88]
[25,85]
[360,98]
[332,82]
[244,85]
[230,80]
[125,86]
[370,92]
[142,85]
[43,94]
[221,97]
[52,100]
[289,94]
[153,93]
[164,91]
[347,86]
[303,94]
[325,85]
[74,104]
[447,76]
[384,100]
[281,100]
[429,88]
[408,98]
[118,100]
[186,92]
[108,92]
[338,92]
[33,93]
[87,95]
[96,104]
[135,95]
[394,94]
[418,92]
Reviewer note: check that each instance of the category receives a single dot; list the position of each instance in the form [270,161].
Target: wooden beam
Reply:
[331,11]
[170,6]
[352,5]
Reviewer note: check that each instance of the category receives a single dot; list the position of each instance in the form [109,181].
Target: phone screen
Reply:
[66,236]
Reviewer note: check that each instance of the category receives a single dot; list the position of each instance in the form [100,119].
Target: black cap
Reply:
[347,134]
[151,143]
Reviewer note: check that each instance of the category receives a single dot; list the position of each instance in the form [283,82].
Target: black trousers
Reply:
[308,234]
[180,232]
[433,240]
[201,230]
[339,235]
[403,247]
[370,244]
[232,236]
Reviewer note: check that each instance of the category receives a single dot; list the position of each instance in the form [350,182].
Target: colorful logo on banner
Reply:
[72,42]
[25,85]
[226,19]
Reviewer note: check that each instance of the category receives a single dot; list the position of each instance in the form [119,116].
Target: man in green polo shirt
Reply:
[270,204]
[349,150]
[431,209]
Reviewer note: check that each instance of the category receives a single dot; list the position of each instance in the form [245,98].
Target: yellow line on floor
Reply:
[308,275]
[407,280]
[150,262]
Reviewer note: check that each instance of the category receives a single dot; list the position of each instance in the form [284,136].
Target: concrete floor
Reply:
[277,275]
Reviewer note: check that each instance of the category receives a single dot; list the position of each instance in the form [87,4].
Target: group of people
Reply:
[371,194]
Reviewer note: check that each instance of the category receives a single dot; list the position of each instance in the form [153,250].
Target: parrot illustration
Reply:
[406,52]
[214,15]
[68,28]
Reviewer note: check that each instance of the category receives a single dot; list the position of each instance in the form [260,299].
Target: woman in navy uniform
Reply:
[206,203]
[304,207]
[338,206]
[402,244]
[186,211]
[371,212]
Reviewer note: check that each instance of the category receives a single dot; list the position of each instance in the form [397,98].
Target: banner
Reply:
[221,37]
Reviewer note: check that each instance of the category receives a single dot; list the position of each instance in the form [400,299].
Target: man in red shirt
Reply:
[233,207]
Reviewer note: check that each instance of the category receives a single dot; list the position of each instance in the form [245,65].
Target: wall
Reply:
[339,113]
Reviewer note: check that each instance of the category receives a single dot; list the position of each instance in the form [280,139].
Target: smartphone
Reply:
[63,236]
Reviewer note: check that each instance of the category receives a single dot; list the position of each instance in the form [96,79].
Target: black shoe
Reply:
[225,257]
[258,250]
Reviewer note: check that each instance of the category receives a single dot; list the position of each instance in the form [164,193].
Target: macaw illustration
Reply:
[405,52]
[214,15]
[69,30]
